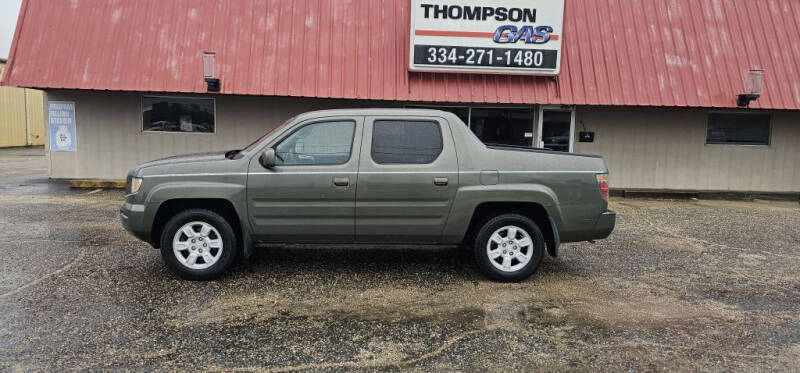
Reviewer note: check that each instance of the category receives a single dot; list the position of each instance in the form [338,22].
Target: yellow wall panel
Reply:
[13,127]
[21,117]
[34,105]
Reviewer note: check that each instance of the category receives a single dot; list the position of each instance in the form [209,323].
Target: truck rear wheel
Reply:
[198,244]
[509,248]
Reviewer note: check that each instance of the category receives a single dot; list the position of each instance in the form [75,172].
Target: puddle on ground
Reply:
[525,306]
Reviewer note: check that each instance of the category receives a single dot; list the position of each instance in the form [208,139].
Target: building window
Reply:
[321,143]
[462,112]
[406,141]
[738,128]
[503,126]
[178,114]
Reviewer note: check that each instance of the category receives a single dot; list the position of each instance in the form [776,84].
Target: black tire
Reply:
[220,224]
[537,248]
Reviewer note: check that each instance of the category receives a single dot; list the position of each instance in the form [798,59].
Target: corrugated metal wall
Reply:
[110,140]
[34,107]
[662,148]
[21,117]
[13,124]
[651,148]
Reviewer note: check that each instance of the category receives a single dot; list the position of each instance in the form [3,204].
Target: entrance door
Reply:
[309,196]
[556,128]
[407,179]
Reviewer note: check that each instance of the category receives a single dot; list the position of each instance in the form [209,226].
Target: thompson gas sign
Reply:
[487,36]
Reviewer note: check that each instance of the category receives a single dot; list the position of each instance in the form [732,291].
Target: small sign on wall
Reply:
[62,126]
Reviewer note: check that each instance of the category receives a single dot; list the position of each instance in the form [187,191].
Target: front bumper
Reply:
[132,218]
[605,224]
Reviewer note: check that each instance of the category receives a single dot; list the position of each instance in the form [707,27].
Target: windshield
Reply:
[258,141]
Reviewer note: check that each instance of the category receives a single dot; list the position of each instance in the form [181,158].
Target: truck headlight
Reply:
[136,183]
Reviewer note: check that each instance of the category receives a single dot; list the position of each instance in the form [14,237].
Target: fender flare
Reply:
[468,199]
[234,193]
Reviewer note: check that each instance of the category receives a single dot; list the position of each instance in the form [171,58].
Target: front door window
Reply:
[323,143]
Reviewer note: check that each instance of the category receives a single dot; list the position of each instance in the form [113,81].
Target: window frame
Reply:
[534,119]
[440,107]
[535,113]
[274,145]
[539,142]
[436,121]
[141,113]
[769,128]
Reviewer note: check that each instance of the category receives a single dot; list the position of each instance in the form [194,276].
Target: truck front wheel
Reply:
[198,244]
[509,248]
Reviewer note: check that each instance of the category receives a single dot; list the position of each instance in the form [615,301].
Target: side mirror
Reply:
[267,158]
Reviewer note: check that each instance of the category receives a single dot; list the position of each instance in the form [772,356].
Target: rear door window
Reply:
[406,141]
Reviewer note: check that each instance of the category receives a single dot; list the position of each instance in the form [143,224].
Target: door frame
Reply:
[539,143]
[256,170]
[417,196]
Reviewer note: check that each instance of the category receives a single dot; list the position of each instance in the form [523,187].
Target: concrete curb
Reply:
[95,184]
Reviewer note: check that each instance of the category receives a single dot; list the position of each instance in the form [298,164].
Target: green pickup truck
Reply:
[366,177]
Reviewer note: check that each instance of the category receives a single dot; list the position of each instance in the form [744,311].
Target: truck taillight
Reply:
[602,183]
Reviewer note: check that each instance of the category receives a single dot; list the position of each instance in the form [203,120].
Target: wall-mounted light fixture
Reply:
[208,71]
[753,84]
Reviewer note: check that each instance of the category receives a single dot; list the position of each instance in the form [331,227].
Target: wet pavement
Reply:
[680,285]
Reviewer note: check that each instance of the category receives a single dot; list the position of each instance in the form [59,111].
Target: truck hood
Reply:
[187,158]
[164,165]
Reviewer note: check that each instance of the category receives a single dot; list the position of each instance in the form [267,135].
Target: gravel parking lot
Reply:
[680,285]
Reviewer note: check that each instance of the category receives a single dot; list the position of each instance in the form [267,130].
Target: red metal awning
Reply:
[691,53]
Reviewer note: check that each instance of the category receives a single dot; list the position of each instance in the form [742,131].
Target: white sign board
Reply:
[61,115]
[487,36]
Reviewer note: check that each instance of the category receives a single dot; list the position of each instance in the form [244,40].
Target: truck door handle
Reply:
[440,181]
[341,181]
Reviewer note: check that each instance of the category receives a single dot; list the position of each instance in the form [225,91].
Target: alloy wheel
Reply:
[197,245]
[509,248]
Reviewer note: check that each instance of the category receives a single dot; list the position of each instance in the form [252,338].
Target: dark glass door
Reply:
[556,129]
